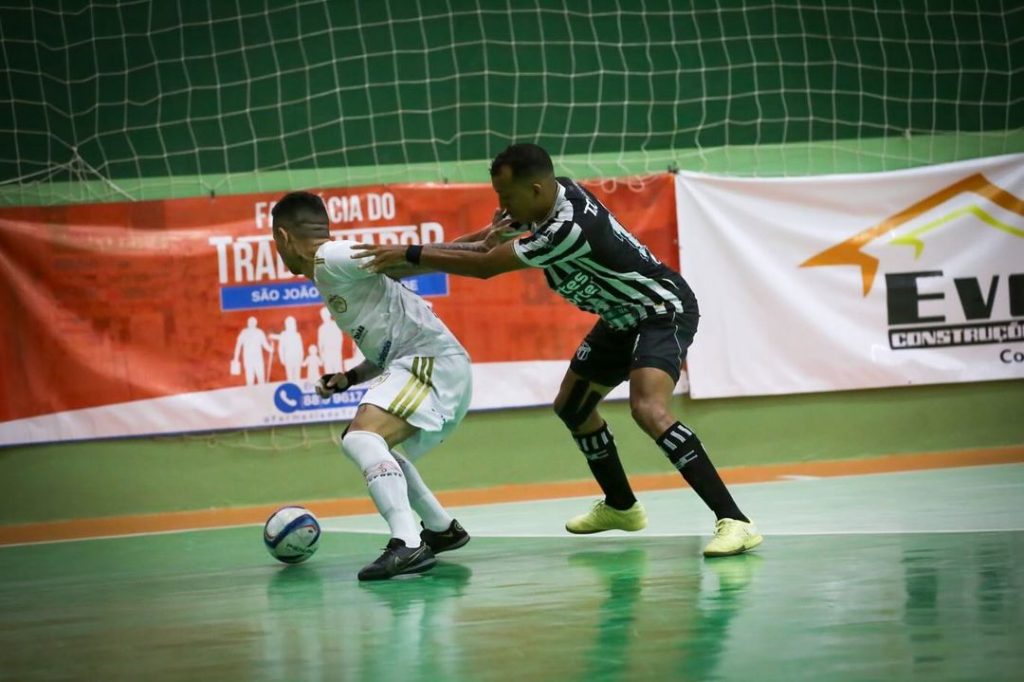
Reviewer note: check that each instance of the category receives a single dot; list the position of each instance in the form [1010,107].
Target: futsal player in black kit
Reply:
[647,319]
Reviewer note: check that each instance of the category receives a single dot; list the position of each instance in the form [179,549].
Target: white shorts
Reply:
[432,394]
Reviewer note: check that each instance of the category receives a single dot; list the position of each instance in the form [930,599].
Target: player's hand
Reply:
[503,228]
[330,384]
[379,258]
[500,215]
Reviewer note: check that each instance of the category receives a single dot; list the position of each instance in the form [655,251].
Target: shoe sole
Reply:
[602,530]
[419,567]
[754,542]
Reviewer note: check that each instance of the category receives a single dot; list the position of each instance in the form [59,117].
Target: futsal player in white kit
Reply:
[422,392]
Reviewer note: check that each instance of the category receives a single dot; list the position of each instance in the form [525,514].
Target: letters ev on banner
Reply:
[855,281]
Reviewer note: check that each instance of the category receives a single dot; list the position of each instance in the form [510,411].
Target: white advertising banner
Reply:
[496,385]
[855,281]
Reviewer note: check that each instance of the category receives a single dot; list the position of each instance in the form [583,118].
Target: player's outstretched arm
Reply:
[470,242]
[473,237]
[400,270]
[469,259]
[485,240]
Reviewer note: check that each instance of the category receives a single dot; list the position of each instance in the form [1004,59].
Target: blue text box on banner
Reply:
[285,294]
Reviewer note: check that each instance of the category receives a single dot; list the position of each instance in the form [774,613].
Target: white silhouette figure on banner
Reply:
[251,344]
[290,349]
[328,338]
[313,365]
[355,358]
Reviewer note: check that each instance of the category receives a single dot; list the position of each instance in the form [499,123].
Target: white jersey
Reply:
[386,320]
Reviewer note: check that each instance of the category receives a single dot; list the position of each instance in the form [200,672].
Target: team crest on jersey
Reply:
[337,304]
[583,351]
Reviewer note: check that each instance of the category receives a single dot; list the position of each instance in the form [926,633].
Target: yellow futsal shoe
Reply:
[732,537]
[602,517]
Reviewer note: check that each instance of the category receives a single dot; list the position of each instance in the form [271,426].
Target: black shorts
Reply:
[607,356]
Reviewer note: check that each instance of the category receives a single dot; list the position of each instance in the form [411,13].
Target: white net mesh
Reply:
[144,99]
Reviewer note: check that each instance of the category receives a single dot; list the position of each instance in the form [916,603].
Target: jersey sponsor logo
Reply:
[931,306]
[382,356]
[578,289]
[337,304]
[380,379]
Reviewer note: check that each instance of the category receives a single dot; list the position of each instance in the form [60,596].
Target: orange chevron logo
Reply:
[849,252]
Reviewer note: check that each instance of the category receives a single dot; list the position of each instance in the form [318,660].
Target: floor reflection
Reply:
[930,606]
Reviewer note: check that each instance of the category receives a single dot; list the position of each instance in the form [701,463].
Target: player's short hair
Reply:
[526,160]
[304,212]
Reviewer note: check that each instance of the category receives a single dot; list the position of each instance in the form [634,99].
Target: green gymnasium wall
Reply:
[729,103]
[107,478]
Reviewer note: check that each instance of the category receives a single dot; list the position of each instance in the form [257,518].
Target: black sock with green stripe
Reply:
[603,459]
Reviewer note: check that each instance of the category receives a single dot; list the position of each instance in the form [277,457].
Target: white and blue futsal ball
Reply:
[292,534]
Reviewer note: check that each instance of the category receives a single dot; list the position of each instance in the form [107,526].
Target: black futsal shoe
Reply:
[447,540]
[398,559]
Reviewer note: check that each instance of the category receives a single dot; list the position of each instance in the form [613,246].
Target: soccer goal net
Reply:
[135,99]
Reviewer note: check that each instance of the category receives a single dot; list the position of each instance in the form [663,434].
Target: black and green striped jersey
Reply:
[596,264]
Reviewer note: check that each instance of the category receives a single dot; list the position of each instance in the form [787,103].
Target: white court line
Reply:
[136,535]
[335,520]
[584,538]
[634,536]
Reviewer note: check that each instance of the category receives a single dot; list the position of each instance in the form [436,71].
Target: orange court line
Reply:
[49,531]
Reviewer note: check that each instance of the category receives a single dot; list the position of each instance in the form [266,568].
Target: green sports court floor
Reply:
[905,576]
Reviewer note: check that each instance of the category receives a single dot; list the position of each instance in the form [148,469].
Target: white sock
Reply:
[422,500]
[385,481]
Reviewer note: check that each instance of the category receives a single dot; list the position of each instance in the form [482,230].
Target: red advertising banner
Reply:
[177,315]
